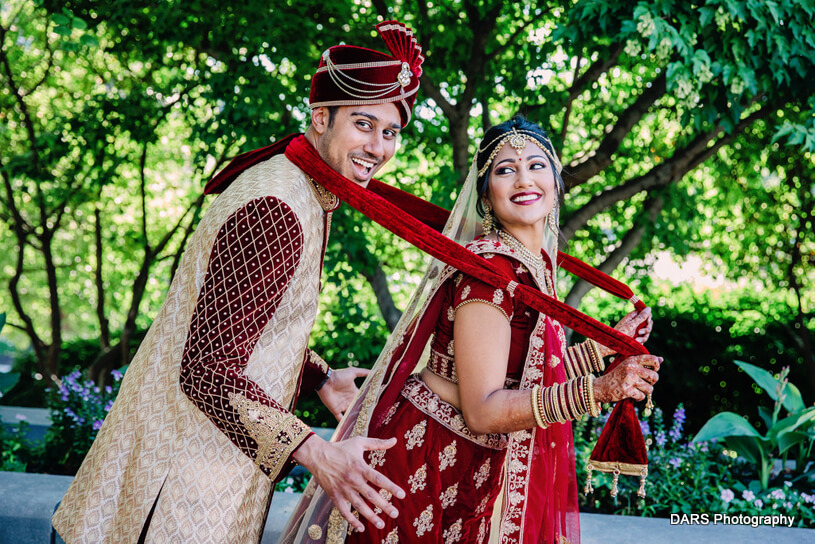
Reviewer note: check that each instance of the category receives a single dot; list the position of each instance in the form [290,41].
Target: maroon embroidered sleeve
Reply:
[315,371]
[253,259]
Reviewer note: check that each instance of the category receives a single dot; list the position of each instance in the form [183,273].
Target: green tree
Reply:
[116,113]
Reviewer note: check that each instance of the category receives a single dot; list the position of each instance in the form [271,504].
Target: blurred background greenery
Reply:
[687,133]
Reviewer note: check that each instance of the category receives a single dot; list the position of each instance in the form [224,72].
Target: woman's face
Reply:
[521,188]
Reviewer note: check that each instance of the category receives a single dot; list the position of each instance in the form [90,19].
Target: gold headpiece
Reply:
[517,139]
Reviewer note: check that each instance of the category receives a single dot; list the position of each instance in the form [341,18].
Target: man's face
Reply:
[359,141]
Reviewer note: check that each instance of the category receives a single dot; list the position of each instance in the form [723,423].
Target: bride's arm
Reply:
[481,341]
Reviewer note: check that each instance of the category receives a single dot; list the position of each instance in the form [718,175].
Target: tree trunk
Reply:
[379,283]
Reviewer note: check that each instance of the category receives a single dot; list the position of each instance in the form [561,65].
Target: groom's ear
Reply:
[319,119]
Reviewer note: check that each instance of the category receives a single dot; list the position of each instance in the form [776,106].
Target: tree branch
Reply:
[632,238]
[601,158]
[672,170]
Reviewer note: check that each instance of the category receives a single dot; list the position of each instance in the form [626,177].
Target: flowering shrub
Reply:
[78,409]
[686,477]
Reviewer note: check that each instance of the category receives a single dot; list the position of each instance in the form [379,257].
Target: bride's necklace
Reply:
[535,264]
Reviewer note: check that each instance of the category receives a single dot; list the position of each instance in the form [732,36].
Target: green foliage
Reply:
[690,476]
[794,433]
[14,448]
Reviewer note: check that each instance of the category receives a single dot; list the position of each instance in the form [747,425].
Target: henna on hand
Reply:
[633,378]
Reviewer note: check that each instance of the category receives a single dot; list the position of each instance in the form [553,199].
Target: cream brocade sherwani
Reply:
[202,443]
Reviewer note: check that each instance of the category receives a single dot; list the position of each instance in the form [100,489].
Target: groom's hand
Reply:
[340,469]
[340,390]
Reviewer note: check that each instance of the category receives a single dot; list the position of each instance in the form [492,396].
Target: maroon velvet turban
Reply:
[351,76]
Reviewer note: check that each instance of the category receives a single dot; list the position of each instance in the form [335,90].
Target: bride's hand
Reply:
[637,325]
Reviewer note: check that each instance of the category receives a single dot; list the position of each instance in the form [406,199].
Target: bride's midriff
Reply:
[446,390]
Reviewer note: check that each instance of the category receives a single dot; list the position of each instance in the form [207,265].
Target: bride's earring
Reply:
[488,222]
[551,220]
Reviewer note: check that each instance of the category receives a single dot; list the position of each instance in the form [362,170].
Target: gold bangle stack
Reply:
[594,353]
[536,407]
[593,406]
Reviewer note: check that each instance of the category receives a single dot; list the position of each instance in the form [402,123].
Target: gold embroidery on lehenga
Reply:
[315,532]
[415,436]
[276,432]
[449,496]
[482,506]
[419,479]
[447,458]
[336,527]
[482,530]
[427,402]
[483,473]
[377,458]
[390,414]
[392,538]
[424,522]
[498,296]
[452,533]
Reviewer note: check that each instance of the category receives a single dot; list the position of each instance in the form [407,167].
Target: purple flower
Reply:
[109,405]
[645,428]
[727,495]
[748,495]
[777,494]
[679,415]
[97,424]
[675,462]
[108,389]
[116,375]
[758,503]
[808,498]
[660,439]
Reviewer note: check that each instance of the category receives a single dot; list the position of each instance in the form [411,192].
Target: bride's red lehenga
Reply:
[452,476]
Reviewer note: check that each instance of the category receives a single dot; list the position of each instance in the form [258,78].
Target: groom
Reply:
[203,424]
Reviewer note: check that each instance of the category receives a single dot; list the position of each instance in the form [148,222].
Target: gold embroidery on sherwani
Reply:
[415,436]
[483,473]
[328,200]
[277,433]
[419,479]
[318,361]
[448,497]
[447,458]
[392,538]
[453,533]
[424,522]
